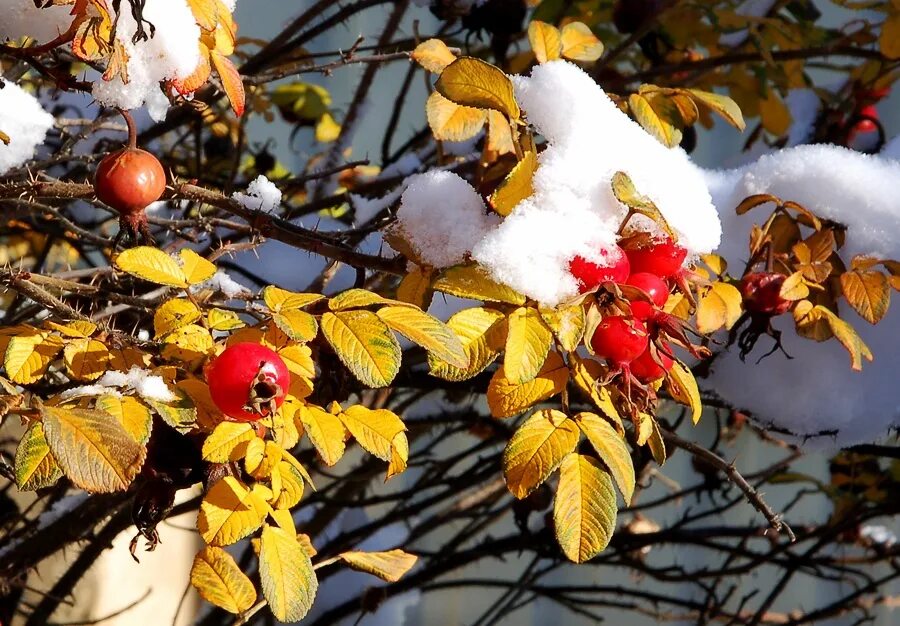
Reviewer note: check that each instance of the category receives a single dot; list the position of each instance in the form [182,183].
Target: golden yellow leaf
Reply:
[228,442]
[218,579]
[656,444]
[28,356]
[475,328]
[123,359]
[86,359]
[846,335]
[77,328]
[296,324]
[584,511]
[868,292]
[718,307]
[152,264]
[229,512]
[291,486]
[415,288]
[774,114]
[298,359]
[663,130]
[723,105]
[374,429]
[567,324]
[683,388]
[93,449]
[889,39]
[327,129]
[173,314]
[399,455]
[476,83]
[325,430]
[528,341]
[612,450]
[516,186]
[231,80]
[579,43]
[180,414]
[134,416]
[626,193]
[188,343]
[35,467]
[585,374]
[536,449]
[219,319]
[545,41]
[794,287]
[452,122]
[433,55]
[499,135]
[427,331]
[262,466]
[208,414]
[277,299]
[359,298]
[470,281]
[288,580]
[364,344]
[196,269]
[506,398]
[206,14]
[389,566]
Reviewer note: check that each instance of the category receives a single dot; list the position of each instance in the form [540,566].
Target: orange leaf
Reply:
[200,75]
[205,13]
[231,81]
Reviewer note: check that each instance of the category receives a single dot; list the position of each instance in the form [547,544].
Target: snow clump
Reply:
[20,18]
[262,195]
[24,121]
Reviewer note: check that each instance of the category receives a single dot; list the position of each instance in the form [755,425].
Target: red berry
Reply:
[247,381]
[589,274]
[867,124]
[128,181]
[653,286]
[620,339]
[663,258]
[646,370]
[762,293]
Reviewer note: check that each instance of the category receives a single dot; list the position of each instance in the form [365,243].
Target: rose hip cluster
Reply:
[631,343]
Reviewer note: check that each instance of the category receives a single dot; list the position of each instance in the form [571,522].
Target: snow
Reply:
[224,284]
[172,53]
[816,395]
[144,383]
[573,210]
[26,123]
[878,535]
[262,195]
[443,217]
[20,18]
[804,106]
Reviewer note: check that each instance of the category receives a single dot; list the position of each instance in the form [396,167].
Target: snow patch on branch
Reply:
[144,383]
[24,121]
[262,195]
[21,18]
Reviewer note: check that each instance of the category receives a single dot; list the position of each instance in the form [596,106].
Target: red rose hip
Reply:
[589,275]
[762,293]
[662,257]
[129,180]
[646,370]
[653,286]
[620,339]
[247,381]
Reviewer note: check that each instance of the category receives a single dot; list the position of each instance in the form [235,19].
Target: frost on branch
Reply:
[24,121]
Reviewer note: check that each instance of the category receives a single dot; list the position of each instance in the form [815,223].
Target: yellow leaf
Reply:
[152,264]
[536,449]
[433,55]
[189,343]
[298,325]
[327,129]
[77,328]
[847,336]
[174,314]
[208,415]
[389,566]
[626,193]
[326,432]
[774,114]
[35,467]
[657,444]
[889,39]
[719,307]
[567,324]
[291,486]
[373,429]
[288,580]
[868,292]
[579,43]
[499,135]
[506,398]
[261,466]
[427,331]
[28,356]
[644,428]
[228,442]
[206,15]
[196,269]
[584,511]
[180,414]
[794,287]
[612,450]
[229,512]
[357,299]
[298,359]
[528,341]
[93,449]
[399,455]
[516,186]
[649,119]
[475,328]
[278,299]
[415,288]
[452,122]
[219,580]
[218,319]
[585,374]
[683,387]
[470,281]
[134,417]
[364,344]
[475,83]
[723,105]
[231,81]
[85,359]
[545,41]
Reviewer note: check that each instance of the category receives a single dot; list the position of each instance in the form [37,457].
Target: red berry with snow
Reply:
[663,258]
[646,369]
[762,293]
[620,339]
[248,381]
[613,268]
[129,180]
[653,286]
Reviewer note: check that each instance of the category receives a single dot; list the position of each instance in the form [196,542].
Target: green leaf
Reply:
[35,466]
